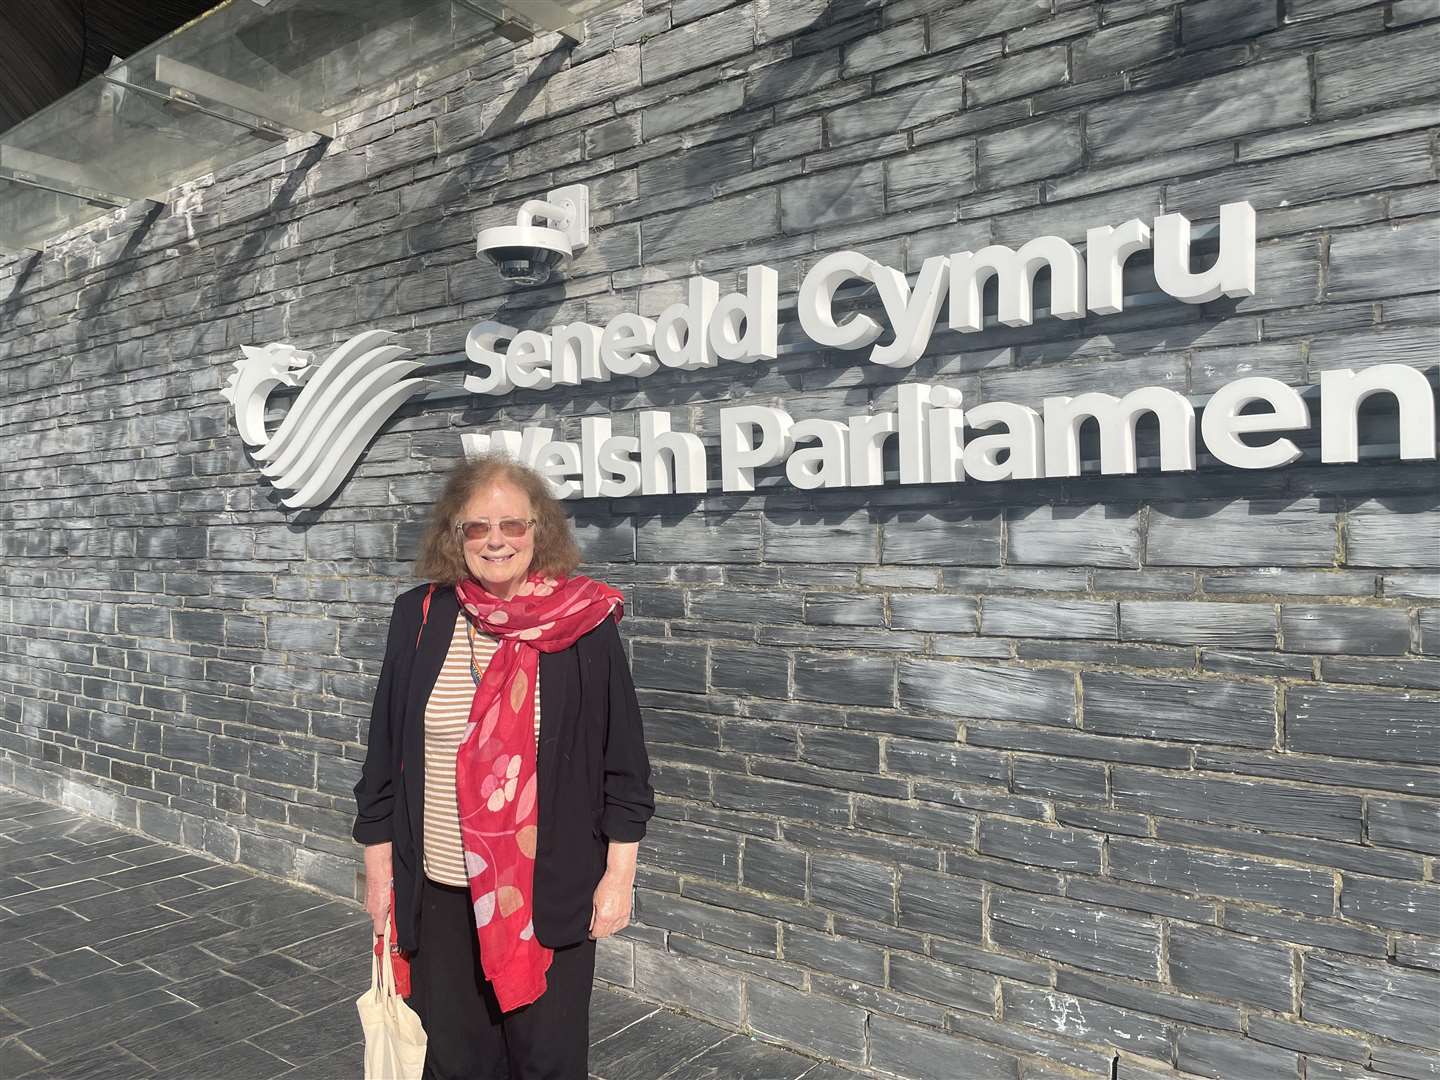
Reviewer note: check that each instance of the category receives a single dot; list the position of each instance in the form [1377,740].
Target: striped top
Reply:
[446,714]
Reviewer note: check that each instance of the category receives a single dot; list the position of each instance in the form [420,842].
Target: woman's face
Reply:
[499,562]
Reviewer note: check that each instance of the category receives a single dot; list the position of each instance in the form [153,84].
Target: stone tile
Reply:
[1260,96]
[652,1046]
[22,981]
[612,1012]
[271,908]
[246,891]
[237,1061]
[68,1036]
[49,815]
[153,892]
[271,969]
[352,969]
[832,197]
[150,853]
[119,845]
[70,872]
[205,1030]
[181,963]
[155,871]
[75,932]
[77,964]
[739,1058]
[25,859]
[323,948]
[1081,935]
[1374,725]
[315,1036]
[106,988]
[16,1060]
[250,942]
[164,939]
[69,894]
[311,993]
[15,803]
[102,1063]
[1212,1054]
[344,1064]
[213,877]
[662,976]
[37,924]
[912,1051]
[211,989]
[15,953]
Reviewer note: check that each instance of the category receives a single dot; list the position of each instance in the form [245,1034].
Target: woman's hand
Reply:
[378,874]
[610,907]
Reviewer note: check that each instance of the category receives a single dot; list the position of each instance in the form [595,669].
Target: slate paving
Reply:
[126,959]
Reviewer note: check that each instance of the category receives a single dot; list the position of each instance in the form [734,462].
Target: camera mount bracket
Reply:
[566,209]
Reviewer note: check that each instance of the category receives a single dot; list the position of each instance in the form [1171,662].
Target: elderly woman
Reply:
[506,785]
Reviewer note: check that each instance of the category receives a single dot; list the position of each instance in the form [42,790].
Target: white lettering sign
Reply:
[935,438]
[689,336]
[929,433]
[742,327]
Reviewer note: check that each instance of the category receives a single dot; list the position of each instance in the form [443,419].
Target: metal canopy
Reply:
[244,75]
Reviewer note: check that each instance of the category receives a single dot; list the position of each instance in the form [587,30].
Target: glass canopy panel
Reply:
[29,215]
[245,74]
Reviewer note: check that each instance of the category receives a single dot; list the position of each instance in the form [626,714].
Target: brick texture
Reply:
[1125,776]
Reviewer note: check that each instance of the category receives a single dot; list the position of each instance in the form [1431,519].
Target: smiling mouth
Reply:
[497,558]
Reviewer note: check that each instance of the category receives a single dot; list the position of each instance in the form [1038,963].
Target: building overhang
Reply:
[246,74]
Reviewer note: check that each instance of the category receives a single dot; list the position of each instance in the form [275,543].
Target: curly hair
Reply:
[441,558]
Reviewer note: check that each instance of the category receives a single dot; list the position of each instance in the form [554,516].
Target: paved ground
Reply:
[122,958]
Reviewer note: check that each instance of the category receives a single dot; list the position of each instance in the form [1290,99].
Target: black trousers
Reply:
[468,1038]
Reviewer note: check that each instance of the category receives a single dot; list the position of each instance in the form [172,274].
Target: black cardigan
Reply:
[594,774]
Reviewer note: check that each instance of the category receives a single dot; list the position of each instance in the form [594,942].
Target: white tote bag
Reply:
[394,1037]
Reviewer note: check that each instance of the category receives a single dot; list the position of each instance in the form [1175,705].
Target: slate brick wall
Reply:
[1130,777]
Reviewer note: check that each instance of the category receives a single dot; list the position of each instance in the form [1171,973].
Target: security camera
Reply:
[525,252]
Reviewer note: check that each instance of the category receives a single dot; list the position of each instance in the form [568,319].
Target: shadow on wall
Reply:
[769,84]
[16,300]
[483,166]
[690,170]
[255,242]
[457,182]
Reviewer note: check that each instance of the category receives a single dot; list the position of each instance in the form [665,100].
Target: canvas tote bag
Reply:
[394,1037]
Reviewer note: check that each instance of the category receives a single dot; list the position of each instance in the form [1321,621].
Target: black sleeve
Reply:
[375,791]
[629,799]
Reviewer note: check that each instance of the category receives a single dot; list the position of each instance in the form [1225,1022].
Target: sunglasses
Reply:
[511,528]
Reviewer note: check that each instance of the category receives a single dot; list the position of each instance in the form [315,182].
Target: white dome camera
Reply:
[525,252]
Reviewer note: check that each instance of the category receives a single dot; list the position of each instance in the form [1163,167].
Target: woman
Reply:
[506,785]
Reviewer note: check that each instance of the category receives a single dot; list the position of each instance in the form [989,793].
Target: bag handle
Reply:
[424,612]
[383,969]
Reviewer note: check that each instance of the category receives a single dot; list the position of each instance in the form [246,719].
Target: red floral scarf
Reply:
[495,768]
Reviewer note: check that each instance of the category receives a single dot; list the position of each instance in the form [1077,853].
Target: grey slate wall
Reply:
[1098,777]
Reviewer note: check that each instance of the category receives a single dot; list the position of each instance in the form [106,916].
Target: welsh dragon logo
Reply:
[342,404]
